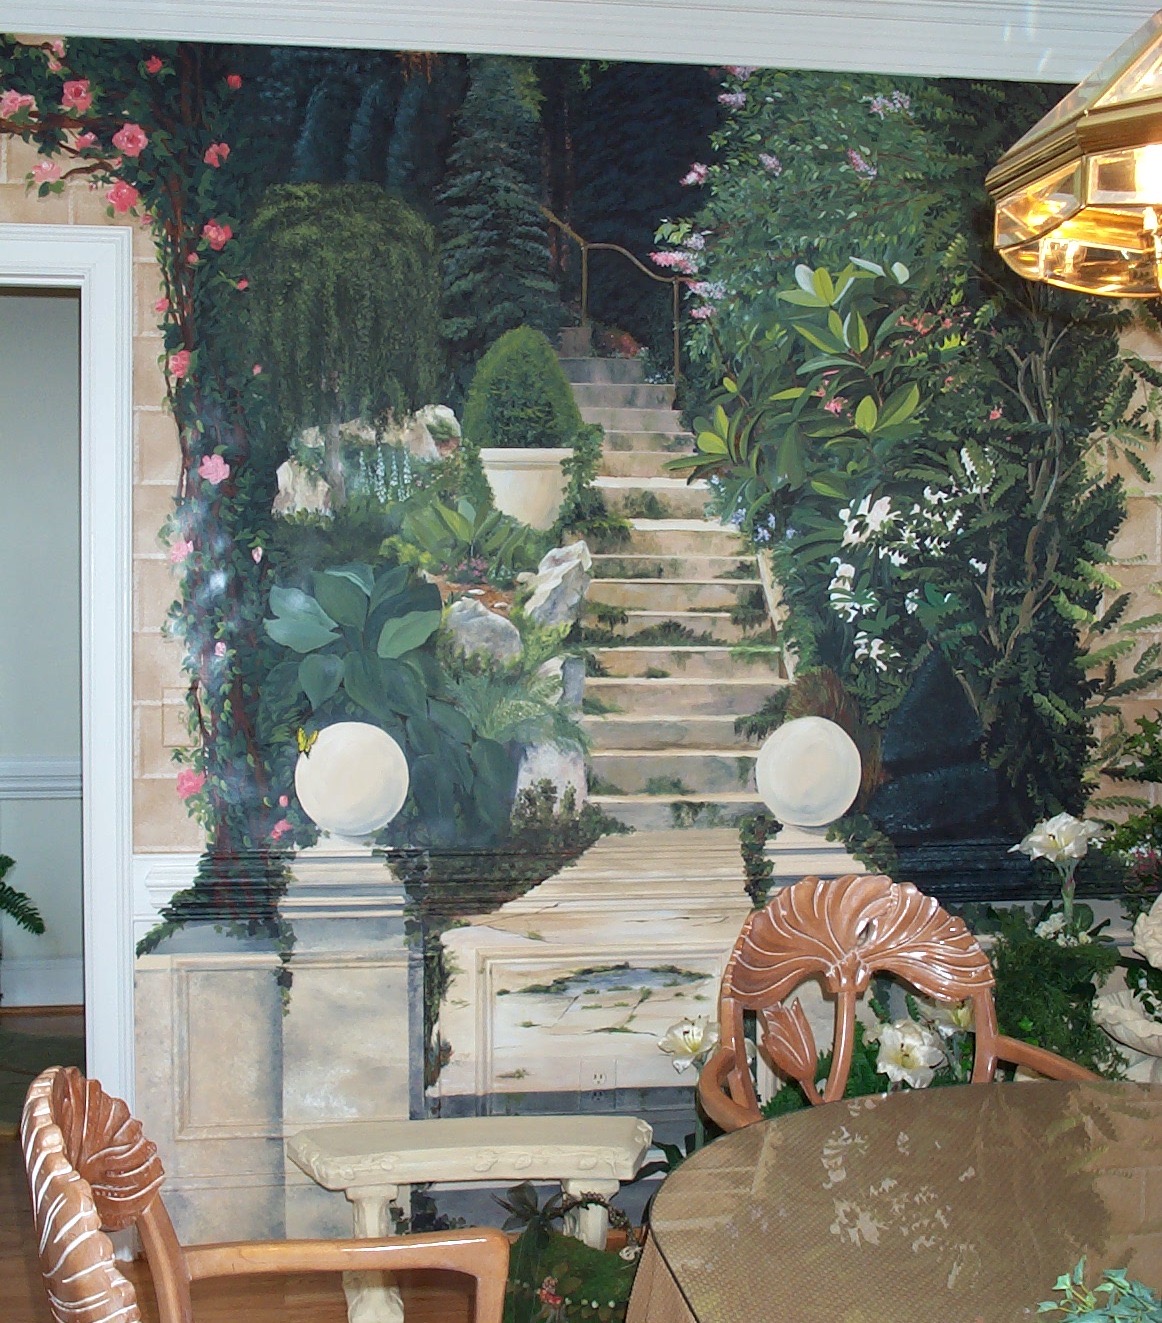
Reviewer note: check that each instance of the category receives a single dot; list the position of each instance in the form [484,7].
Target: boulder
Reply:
[569,674]
[564,767]
[560,585]
[475,629]
[300,491]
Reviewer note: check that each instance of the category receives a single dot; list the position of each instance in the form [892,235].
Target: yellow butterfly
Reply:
[304,740]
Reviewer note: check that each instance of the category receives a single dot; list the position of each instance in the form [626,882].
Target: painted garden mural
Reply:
[554,432]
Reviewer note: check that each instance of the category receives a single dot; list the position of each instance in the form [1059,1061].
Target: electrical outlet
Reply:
[596,1081]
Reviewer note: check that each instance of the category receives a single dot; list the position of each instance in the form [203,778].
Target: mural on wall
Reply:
[471,564]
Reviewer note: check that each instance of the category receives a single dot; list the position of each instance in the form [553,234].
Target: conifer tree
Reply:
[495,248]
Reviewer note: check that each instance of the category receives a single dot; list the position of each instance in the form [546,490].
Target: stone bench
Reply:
[374,1164]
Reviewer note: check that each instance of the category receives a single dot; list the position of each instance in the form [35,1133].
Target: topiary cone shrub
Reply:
[519,397]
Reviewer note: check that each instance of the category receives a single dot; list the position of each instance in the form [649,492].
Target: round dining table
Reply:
[953,1205]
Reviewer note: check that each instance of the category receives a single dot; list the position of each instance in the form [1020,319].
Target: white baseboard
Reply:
[52,981]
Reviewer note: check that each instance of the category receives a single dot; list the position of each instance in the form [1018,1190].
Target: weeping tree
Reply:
[345,308]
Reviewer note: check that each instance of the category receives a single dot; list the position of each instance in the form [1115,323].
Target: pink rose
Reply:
[280,828]
[123,197]
[86,139]
[193,259]
[697,174]
[179,363]
[256,370]
[219,649]
[57,47]
[216,153]
[233,82]
[75,95]
[216,235]
[13,102]
[154,65]
[242,284]
[162,305]
[190,782]
[44,172]
[994,414]
[179,550]
[130,139]
[256,555]
[214,469]
[283,801]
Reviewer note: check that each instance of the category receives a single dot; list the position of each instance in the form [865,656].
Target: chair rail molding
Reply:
[98,261]
[1054,41]
[40,778]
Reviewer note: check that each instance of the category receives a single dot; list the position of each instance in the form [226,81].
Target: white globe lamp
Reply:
[352,780]
[808,772]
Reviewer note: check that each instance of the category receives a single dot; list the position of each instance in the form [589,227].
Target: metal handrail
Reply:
[587,245]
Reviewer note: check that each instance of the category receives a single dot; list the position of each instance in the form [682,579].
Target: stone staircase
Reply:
[670,610]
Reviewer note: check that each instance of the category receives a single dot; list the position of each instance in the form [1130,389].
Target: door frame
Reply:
[98,262]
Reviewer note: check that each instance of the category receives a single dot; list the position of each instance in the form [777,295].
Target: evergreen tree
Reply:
[496,256]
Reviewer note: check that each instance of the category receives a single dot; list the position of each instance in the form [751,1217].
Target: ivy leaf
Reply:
[402,633]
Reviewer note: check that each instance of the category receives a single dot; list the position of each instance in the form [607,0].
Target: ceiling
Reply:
[1051,40]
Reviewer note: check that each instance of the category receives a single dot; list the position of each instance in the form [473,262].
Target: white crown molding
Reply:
[1054,41]
[40,778]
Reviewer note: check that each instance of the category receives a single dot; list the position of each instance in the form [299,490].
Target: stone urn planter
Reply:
[528,483]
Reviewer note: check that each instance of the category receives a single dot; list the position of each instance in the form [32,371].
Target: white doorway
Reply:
[97,263]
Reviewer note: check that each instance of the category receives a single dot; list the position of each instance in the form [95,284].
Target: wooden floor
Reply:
[428,1297]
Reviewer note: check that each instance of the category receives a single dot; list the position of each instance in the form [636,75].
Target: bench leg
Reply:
[372,1297]
[590,1222]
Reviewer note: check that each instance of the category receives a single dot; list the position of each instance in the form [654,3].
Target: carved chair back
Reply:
[91,1170]
[842,932]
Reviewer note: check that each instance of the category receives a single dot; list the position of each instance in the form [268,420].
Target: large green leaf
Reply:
[451,721]
[901,404]
[402,633]
[364,681]
[389,584]
[404,690]
[866,414]
[362,575]
[320,677]
[344,601]
[301,633]
[293,603]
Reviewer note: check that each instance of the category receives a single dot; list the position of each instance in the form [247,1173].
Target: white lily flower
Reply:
[1148,934]
[689,1041]
[1060,839]
[909,1053]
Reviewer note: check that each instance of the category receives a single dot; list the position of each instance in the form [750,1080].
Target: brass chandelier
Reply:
[1079,197]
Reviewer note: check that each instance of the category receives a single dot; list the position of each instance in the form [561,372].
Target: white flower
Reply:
[1148,934]
[909,1053]
[688,1041]
[1123,1017]
[949,1018]
[1060,839]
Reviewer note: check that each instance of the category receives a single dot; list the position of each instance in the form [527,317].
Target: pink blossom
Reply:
[54,65]
[44,172]
[703,312]
[256,370]
[256,555]
[697,174]
[217,235]
[994,414]
[681,262]
[280,828]
[123,197]
[57,47]
[234,82]
[771,164]
[179,550]
[179,363]
[192,259]
[216,153]
[86,139]
[741,71]
[190,782]
[283,801]
[214,469]
[76,95]
[130,139]
[162,305]
[219,649]
[732,100]
[860,164]
[242,284]
[836,405]
[154,65]
[13,102]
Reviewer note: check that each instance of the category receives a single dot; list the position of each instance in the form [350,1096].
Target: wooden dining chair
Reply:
[841,932]
[91,1170]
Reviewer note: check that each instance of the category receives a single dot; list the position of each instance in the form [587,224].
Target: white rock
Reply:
[442,424]
[564,767]
[300,492]
[569,674]
[561,582]
[474,628]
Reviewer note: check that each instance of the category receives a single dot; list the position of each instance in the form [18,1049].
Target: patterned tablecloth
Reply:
[956,1205]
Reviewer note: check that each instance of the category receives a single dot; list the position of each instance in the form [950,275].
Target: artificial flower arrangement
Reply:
[1132,1016]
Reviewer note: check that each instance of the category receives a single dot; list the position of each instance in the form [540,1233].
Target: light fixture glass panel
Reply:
[1032,212]
[1143,74]
[1087,265]
[1131,177]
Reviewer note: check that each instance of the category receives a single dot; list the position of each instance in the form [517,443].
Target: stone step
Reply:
[671,498]
[673,443]
[628,565]
[690,663]
[682,537]
[602,369]
[619,731]
[704,627]
[639,463]
[622,395]
[679,771]
[634,420]
[672,594]
[658,813]
[699,697]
